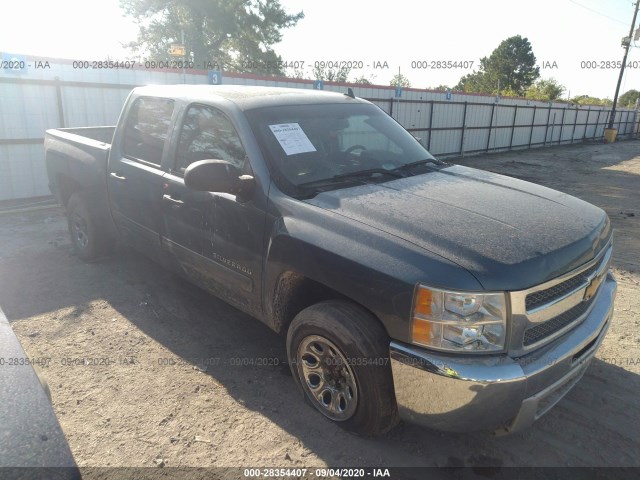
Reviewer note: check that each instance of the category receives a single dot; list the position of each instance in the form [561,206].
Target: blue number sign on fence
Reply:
[215,77]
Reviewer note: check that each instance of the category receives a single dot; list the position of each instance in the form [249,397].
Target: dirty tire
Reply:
[90,241]
[359,394]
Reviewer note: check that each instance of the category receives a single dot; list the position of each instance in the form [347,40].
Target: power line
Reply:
[597,12]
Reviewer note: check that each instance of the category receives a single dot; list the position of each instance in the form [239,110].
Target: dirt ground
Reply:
[147,370]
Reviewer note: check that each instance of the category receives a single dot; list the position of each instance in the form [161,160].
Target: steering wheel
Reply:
[353,148]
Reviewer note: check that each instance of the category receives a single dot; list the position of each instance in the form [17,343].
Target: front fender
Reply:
[374,269]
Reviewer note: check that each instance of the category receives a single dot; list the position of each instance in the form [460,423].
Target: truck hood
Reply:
[508,233]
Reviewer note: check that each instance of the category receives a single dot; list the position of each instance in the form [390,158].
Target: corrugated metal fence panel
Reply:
[22,171]
[592,116]
[626,117]
[569,120]
[462,124]
[92,106]
[446,137]
[478,119]
[27,110]
[501,132]
[523,120]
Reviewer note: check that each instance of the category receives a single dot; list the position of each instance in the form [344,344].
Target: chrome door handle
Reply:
[169,199]
[117,177]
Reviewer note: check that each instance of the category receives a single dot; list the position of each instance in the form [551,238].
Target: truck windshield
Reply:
[334,144]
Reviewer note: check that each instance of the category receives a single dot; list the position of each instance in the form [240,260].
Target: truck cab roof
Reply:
[246,97]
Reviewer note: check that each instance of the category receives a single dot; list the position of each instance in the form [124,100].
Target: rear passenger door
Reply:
[135,172]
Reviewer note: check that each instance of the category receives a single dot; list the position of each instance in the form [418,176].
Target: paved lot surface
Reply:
[146,370]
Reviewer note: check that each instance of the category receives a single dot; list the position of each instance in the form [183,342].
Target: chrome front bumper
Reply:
[461,394]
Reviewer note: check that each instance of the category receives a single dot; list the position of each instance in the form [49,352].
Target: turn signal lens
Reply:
[423,302]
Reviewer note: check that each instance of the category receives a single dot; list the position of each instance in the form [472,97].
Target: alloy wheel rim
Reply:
[327,378]
[80,231]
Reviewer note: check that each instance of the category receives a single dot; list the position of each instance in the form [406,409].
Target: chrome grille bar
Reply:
[542,313]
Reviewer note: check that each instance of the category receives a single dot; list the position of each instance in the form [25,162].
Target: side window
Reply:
[146,129]
[208,134]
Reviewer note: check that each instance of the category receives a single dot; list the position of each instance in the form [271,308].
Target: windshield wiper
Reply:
[407,166]
[351,176]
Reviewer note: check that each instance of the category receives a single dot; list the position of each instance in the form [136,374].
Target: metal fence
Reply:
[446,124]
[459,128]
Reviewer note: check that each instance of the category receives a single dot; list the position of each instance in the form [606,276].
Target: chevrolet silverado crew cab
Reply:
[407,287]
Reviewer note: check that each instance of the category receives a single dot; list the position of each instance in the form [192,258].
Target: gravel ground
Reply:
[147,370]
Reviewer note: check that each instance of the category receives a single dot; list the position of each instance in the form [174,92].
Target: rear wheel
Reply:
[89,239]
[339,357]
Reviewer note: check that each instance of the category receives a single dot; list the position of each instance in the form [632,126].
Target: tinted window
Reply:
[360,131]
[309,143]
[147,128]
[207,134]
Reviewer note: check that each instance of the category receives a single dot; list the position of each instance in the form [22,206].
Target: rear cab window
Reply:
[146,129]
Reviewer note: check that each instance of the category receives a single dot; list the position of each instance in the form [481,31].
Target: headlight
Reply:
[459,321]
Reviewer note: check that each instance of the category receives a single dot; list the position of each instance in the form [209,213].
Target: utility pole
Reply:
[184,57]
[626,42]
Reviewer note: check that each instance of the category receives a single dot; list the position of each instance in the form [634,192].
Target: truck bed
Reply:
[77,156]
[101,134]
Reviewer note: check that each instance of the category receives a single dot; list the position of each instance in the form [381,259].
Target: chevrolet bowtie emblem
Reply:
[592,288]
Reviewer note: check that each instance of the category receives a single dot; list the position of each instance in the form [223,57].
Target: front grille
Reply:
[544,312]
[545,329]
[537,299]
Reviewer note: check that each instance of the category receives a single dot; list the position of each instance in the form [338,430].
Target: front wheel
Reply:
[339,357]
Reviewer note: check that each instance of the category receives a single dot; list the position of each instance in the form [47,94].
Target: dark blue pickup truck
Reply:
[407,287]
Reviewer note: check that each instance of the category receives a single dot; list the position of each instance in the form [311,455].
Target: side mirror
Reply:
[212,176]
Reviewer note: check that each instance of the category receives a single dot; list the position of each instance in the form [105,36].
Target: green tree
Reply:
[511,66]
[336,74]
[399,80]
[549,90]
[362,80]
[297,73]
[588,100]
[508,92]
[235,34]
[442,87]
[629,98]
[466,81]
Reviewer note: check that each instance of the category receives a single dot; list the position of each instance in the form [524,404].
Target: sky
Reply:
[564,35]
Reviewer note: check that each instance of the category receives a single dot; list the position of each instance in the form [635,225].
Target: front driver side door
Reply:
[215,240]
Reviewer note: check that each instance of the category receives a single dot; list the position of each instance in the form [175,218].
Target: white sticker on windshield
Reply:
[292,138]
